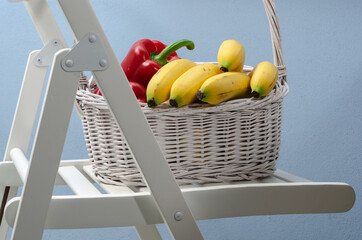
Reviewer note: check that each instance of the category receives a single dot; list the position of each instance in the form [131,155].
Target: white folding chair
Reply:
[163,201]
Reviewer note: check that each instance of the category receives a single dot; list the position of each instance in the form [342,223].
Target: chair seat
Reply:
[117,206]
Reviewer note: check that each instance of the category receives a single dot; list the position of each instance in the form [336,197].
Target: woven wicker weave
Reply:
[231,141]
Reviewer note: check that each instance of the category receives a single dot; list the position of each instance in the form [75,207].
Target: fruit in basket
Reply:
[146,57]
[184,89]
[263,79]
[223,87]
[231,56]
[138,89]
[159,87]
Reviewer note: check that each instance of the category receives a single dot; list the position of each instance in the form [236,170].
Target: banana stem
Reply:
[255,94]
[151,103]
[173,103]
[224,69]
[200,95]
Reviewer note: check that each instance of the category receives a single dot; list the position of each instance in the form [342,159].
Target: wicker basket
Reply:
[232,141]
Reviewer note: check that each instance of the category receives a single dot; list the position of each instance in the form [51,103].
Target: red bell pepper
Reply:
[147,56]
[138,89]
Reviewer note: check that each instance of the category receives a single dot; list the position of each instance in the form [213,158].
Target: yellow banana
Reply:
[223,87]
[184,89]
[158,89]
[263,79]
[231,56]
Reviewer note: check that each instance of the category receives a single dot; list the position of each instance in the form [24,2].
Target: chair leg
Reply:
[134,126]
[148,232]
[23,123]
[47,151]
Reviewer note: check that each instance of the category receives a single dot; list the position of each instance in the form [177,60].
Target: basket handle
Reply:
[276,38]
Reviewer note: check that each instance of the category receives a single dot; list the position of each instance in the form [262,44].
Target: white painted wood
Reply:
[145,232]
[24,117]
[77,181]
[9,175]
[27,106]
[270,199]
[31,89]
[4,225]
[44,21]
[30,93]
[144,147]
[148,232]
[47,151]
[131,209]
[81,186]
[21,163]
[78,164]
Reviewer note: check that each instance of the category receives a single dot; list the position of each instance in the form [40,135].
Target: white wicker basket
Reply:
[231,141]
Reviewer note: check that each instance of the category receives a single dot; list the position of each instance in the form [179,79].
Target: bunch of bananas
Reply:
[183,81]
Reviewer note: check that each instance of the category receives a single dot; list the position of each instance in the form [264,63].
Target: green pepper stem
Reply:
[161,58]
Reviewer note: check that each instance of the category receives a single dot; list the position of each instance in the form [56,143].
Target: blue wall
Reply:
[322,118]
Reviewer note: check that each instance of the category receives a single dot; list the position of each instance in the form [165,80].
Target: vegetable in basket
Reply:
[146,57]
[138,89]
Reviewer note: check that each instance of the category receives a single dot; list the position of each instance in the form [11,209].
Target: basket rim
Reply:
[84,97]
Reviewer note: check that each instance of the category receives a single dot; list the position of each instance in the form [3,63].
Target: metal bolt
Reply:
[55,43]
[103,62]
[69,63]
[178,216]
[38,60]
[92,38]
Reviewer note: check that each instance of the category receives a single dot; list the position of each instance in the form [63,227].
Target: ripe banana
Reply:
[263,79]
[184,89]
[223,87]
[231,56]
[158,89]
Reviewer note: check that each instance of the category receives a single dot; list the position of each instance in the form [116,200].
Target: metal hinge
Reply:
[87,55]
[46,55]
